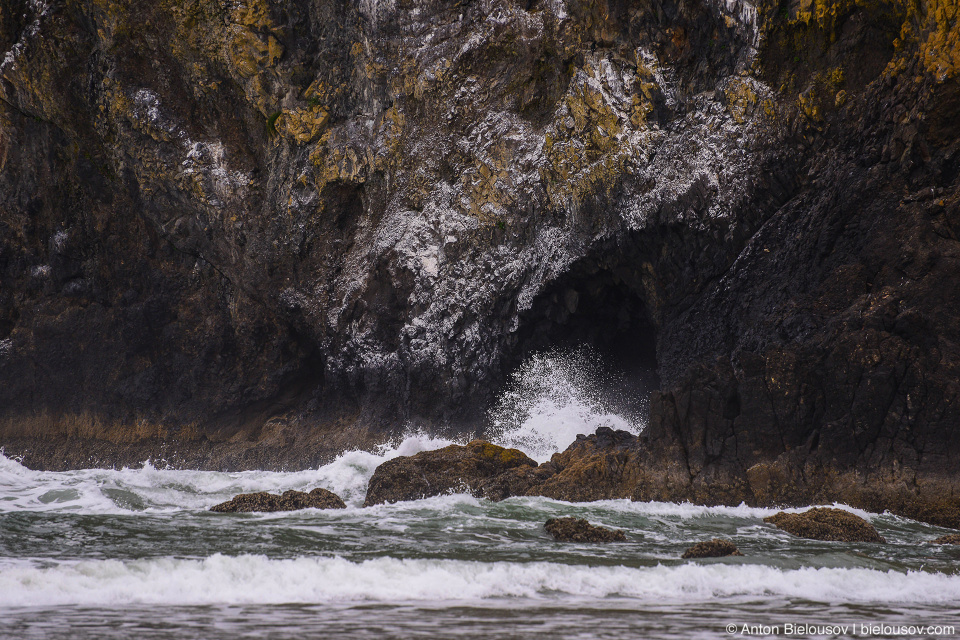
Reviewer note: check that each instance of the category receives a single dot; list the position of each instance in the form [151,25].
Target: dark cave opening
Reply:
[597,305]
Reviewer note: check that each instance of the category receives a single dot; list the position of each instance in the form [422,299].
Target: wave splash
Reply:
[551,399]
[557,395]
[257,579]
[153,489]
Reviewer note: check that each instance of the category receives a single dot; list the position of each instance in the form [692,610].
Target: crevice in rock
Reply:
[599,303]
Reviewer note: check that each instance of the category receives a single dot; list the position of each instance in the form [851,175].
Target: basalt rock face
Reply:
[479,468]
[252,234]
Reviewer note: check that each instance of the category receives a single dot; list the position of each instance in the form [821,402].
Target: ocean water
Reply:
[135,553]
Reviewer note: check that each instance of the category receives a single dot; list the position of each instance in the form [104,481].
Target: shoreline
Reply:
[595,467]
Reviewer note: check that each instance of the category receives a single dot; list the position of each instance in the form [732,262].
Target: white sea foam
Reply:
[154,490]
[162,490]
[553,398]
[222,579]
[556,396]
[688,510]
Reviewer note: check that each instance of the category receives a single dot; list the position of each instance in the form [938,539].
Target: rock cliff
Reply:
[254,233]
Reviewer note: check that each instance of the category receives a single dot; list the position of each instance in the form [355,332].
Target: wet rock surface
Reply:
[601,466]
[824,523]
[479,468]
[579,530]
[258,234]
[288,501]
[953,538]
[715,548]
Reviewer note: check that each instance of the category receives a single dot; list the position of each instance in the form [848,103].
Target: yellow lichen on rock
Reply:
[505,456]
[940,51]
[338,162]
[246,52]
[596,132]
[934,25]
[303,125]
[252,13]
[810,104]
[741,100]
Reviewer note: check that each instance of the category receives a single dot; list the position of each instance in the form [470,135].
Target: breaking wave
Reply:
[557,395]
[257,579]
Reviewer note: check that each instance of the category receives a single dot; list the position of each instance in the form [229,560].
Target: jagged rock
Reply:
[953,538]
[288,501]
[715,548]
[579,530]
[824,523]
[480,468]
[600,466]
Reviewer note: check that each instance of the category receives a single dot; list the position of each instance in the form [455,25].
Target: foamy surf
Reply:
[153,489]
[255,579]
[105,549]
[555,396]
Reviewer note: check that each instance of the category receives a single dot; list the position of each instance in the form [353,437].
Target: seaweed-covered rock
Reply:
[953,538]
[479,468]
[288,501]
[579,530]
[824,523]
[715,548]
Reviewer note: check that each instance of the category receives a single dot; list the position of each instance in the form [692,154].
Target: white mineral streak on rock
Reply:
[204,162]
[40,9]
[455,258]
[376,10]
[743,15]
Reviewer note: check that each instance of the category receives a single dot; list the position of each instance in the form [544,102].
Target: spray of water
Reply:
[557,395]
[553,397]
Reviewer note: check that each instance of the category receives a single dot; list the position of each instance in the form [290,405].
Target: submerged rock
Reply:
[479,468]
[953,538]
[579,530]
[288,501]
[824,523]
[715,548]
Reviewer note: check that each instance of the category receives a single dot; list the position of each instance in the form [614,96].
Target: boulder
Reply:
[715,548]
[579,530]
[600,466]
[824,523]
[953,538]
[479,468]
[288,501]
